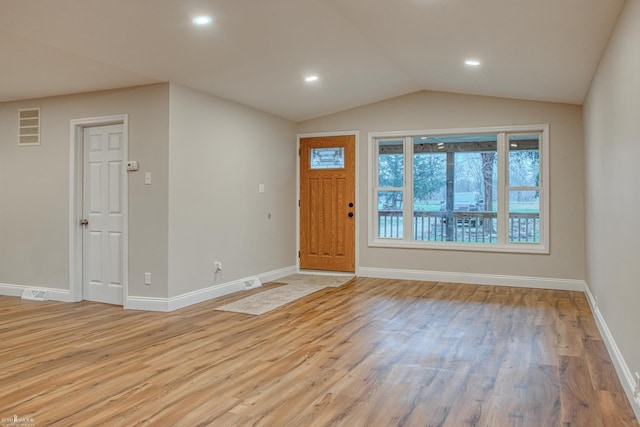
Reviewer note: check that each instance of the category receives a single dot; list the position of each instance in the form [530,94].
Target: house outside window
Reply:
[480,189]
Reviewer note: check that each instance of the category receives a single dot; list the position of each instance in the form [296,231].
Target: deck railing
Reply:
[464,226]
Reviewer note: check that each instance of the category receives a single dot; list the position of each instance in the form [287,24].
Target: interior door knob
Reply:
[84,222]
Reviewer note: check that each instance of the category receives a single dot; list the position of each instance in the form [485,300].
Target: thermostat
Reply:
[132,165]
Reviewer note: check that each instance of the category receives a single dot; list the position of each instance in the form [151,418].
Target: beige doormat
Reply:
[263,302]
[316,279]
[297,286]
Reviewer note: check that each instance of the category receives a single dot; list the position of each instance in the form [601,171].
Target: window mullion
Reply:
[408,190]
[503,193]
[375,185]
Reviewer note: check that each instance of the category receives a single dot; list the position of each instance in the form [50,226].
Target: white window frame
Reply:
[503,245]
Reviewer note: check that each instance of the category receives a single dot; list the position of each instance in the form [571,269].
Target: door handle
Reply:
[350,214]
[84,222]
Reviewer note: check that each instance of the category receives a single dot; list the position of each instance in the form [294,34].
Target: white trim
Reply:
[356,134]
[201,295]
[457,131]
[504,246]
[62,295]
[147,303]
[76,127]
[503,192]
[622,368]
[519,248]
[474,278]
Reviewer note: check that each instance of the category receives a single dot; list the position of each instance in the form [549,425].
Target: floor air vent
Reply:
[35,295]
[252,282]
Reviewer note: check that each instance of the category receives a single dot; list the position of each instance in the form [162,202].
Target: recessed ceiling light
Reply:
[311,78]
[472,62]
[202,20]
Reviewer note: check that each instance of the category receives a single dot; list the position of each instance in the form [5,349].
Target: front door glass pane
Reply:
[327,158]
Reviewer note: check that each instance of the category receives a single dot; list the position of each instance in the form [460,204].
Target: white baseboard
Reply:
[146,303]
[475,279]
[62,295]
[201,295]
[623,370]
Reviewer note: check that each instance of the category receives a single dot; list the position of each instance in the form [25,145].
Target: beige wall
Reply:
[434,110]
[34,188]
[220,152]
[612,134]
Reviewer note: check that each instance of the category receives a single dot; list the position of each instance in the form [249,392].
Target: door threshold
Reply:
[326,272]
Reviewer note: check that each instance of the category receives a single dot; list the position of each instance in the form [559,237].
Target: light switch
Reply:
[147,178]
[260,188]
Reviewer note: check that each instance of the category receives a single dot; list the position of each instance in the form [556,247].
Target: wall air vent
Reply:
[29,126]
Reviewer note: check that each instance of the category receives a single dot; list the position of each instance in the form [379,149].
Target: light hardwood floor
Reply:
[371,353]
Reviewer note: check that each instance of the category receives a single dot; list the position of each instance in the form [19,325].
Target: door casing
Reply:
[76,163]
[356,135]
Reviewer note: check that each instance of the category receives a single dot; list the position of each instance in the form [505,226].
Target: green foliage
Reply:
[390,170]
[429,175]
[524,168]
[390,174]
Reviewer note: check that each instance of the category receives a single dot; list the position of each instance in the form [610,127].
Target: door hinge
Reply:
[298,254]
[298,151]
[298,203]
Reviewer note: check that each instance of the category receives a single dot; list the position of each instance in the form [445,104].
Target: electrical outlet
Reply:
[217,266]
[147,278]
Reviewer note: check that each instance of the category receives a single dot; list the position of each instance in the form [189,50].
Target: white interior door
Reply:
[103,218]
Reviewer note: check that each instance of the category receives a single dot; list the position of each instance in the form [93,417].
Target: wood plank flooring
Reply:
[373,352]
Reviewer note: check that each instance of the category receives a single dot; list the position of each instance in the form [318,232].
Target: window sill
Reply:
[520,248]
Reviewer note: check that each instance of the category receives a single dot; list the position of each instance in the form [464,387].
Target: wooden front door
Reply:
[327,203]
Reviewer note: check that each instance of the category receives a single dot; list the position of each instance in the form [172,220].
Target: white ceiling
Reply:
[257,52]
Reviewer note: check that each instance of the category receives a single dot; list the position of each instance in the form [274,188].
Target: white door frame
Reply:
[359,211]
[76,201]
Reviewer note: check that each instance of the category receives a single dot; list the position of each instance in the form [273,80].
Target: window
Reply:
[476,189]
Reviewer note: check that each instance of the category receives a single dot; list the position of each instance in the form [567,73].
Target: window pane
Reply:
[429,181]
[455,188]
[429,192]
[524,216]
[327,158]
[391,163]
[524,160]
[475,182]
[390,205]
[475,199]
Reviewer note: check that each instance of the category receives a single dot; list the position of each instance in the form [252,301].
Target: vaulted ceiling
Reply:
[258,52]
